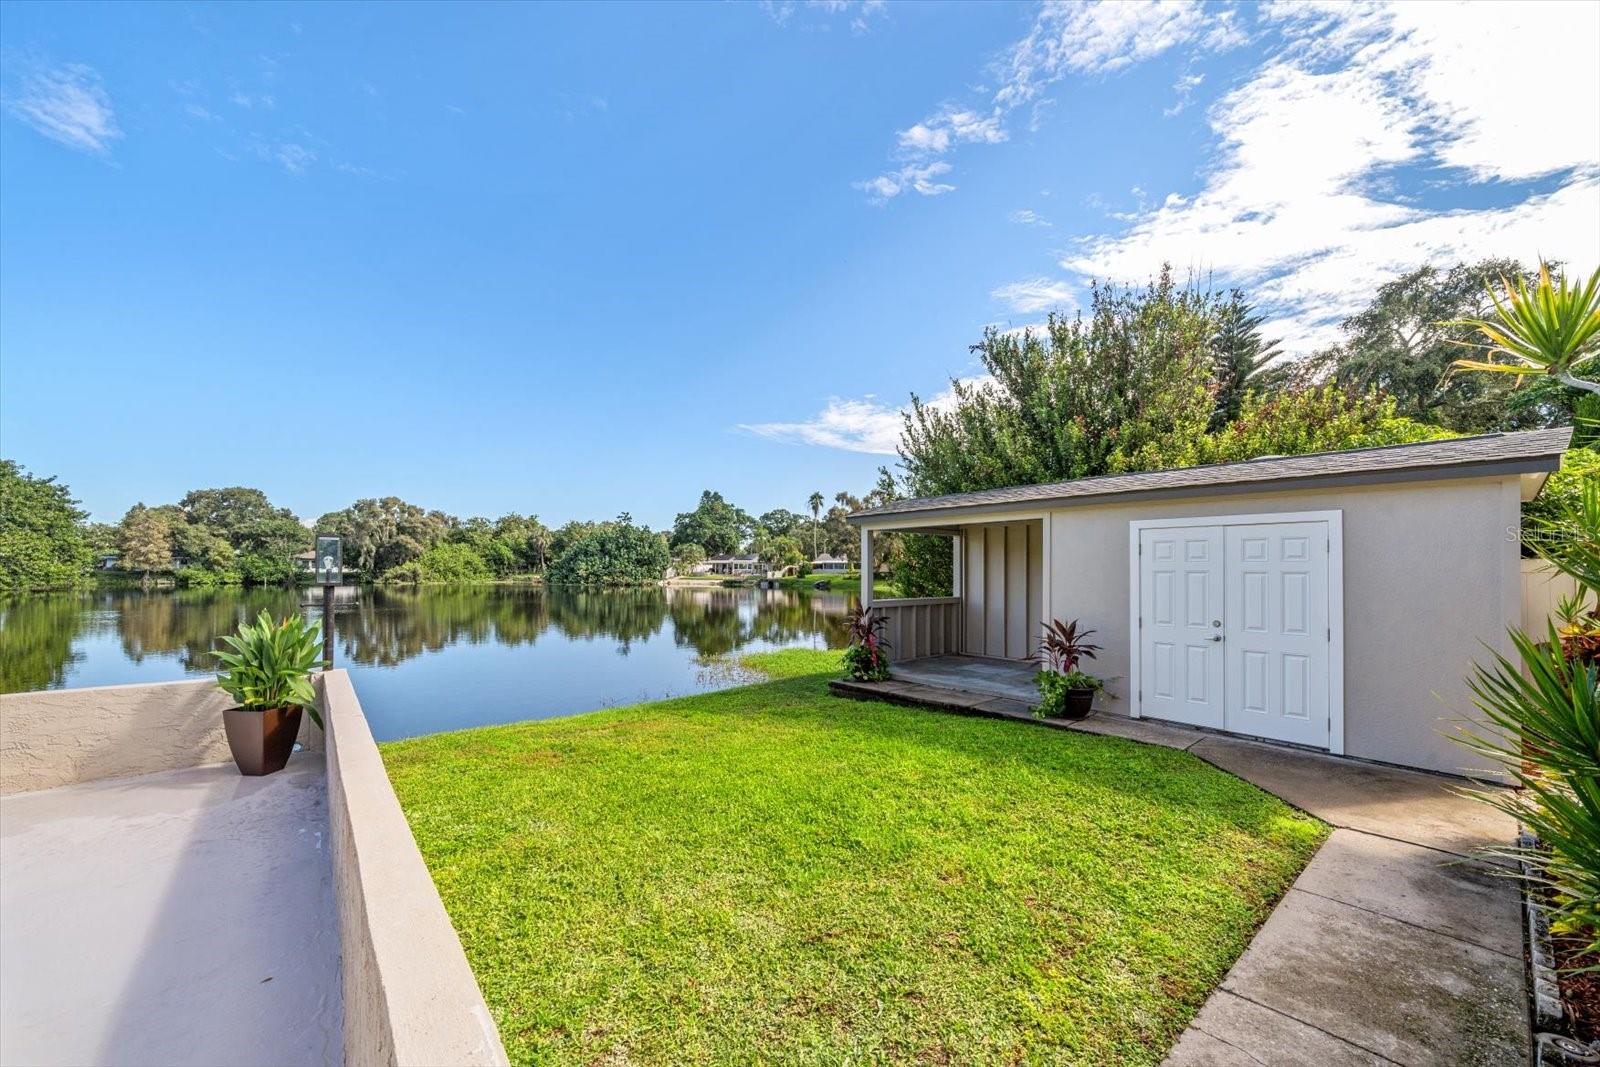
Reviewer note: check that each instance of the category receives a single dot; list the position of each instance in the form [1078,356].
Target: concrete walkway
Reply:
[177,918]
[1394,946]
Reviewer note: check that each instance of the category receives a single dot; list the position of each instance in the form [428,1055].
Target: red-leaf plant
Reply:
[867,647]
[1063,646]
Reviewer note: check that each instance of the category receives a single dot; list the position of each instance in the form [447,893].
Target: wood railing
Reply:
[921,626]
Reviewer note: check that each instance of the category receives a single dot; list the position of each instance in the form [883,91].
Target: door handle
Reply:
[1215,637]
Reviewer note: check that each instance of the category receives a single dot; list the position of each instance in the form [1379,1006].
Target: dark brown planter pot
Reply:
[261,741]
[1077,703]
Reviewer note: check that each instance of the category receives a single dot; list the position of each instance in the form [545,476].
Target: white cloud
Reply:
[917,178]
[249,101]
[1076,38]
[1093,39]
[294,158]
[1292,204]
[1184,87]
[859,13]
[951,126]
[1028,217]
[67,104]
[864,425]
[1036,294]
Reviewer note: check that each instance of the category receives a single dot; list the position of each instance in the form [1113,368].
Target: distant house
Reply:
[738,566]
[826,564]
[306,561]
[106,562]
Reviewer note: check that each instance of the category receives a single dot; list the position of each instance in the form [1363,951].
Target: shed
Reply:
[1334,600]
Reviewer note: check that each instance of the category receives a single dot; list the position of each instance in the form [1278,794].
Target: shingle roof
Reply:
[1530,450]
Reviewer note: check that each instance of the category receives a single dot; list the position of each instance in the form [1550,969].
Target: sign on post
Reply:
[330,559]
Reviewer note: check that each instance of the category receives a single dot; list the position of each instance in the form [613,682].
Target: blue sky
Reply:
[575,260]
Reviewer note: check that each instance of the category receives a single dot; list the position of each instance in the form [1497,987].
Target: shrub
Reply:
[867,658]
[612,553]
[1055,685]
[256,569]
[446,562]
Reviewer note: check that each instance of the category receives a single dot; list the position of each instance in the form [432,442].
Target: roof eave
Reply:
[1475,469]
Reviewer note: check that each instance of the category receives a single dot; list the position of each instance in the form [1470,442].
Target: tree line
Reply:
[237,536]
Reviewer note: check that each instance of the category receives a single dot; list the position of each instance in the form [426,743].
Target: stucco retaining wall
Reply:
[410,998]
[64,736]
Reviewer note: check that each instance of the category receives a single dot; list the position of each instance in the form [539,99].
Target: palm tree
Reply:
[1546,330]
[816,510]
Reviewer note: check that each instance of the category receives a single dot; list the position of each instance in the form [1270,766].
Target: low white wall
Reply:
[410,998]
[924,626]
[1542,586]
[62,736]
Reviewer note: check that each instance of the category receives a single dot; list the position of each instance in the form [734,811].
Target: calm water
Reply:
[434,659]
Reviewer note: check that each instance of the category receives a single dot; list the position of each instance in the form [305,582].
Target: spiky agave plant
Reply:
[1543,710]
[1545,330]
[867,657]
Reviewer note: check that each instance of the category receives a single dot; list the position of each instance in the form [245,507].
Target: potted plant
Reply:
[1065,691]
[867,657]
[268,672]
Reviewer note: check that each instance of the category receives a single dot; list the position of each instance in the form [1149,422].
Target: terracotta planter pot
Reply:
[261,741]
[1077,704]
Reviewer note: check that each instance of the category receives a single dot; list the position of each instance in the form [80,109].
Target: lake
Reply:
[437,658]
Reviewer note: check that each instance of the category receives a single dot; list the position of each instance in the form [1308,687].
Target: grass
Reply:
[849,582]
[770,874]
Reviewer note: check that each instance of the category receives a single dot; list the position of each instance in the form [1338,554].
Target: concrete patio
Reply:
[1394,945]
[182,917]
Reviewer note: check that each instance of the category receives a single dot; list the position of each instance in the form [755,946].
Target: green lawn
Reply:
[849,582]
[773,875]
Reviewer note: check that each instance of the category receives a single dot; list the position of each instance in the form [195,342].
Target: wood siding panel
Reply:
[1002,588]
[994,580]
[1016,590]
[972,584]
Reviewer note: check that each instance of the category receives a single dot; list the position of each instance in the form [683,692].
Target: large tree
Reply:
[146,541]
[715,525]
[1079,398]
[383,533]
[612,553]
[1403,343]
[247,520]
[1238,354]
[41,543]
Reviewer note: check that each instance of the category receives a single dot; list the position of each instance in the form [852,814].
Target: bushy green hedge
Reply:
[445,562]
[612,553]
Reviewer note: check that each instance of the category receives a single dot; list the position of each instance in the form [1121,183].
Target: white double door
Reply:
[1234,628]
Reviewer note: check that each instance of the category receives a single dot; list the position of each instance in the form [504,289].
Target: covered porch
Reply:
[997,602]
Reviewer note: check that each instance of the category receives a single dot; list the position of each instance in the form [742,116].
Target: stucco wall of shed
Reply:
[1431,576]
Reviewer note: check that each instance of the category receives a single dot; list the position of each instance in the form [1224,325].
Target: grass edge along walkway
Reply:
[773,874]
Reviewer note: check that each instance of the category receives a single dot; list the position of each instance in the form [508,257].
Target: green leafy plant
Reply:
[1054,687]
[270,664]
[1544,710]
[866,659]
[1544,330]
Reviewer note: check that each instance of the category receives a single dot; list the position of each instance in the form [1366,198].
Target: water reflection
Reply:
[492,653]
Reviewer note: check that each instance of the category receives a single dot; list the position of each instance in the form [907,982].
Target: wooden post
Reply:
[866,567]
[327,627]
[957,564]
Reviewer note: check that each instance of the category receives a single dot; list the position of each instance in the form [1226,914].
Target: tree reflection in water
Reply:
[45,641]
